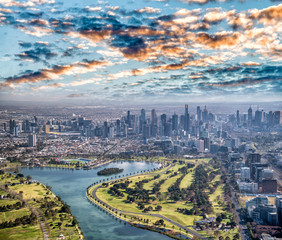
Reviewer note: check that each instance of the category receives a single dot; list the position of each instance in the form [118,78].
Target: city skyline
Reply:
[142,51]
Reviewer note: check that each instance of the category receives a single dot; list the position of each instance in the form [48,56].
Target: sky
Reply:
[141,50]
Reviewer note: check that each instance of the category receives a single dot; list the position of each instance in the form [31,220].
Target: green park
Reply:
[186,194]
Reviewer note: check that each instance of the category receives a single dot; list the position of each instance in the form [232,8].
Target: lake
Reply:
[96,224]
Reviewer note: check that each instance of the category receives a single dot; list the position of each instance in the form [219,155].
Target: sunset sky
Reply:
[136,50]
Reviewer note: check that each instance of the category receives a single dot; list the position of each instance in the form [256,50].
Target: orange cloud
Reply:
[52,73]
[218,40]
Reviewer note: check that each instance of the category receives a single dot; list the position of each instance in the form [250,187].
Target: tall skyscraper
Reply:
[154,123]
[175,122]
[250,116]
[143,115]
[118,130]
[142,120]
[199,114]
[186,119]
[258,117]
[205,115]
[32,140]
[238,117]
[128,119]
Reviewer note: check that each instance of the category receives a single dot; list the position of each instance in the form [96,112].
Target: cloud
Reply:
[148,10]
[37,54]
[250,64]
[218,40]
[52,73]
[270,15]
[76,95]
[245,81]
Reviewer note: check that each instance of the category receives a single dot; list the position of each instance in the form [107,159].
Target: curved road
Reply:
[148,214]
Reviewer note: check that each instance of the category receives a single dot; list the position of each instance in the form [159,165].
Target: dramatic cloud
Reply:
[53,73]
[144,48]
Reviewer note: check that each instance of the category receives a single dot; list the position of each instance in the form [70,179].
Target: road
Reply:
[237,212]
[94,195]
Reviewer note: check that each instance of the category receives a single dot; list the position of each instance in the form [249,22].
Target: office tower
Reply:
[258,118]
[35,119]
[128,119]
[186,119]
[15,131]
[238,117]
[154,123]
[143,115]
[245,173]
[12,125]
[175,122]
[205,115]
[270,118]
[118,130]
[146,132]
[5,127]
[168,128]
[163,125]
[142,120]
[250,116]
[199,114]
[80,121]
[105,130]
[32,140]
[277,118]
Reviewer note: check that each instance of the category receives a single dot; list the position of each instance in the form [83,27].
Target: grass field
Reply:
[35,195]
[21,232]
[169,208]
[13,214]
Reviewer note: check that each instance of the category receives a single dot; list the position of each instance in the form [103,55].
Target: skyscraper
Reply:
[199,114]
[142,120]
[238,117]
[186,119]
[32,140]
[250,116]
[154,123]
[175,122]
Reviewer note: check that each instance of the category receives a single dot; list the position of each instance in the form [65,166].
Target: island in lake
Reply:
[109,171]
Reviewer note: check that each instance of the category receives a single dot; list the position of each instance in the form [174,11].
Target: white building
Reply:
[250,187]
[245,173]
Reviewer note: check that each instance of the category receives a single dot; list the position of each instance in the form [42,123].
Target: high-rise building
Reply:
[205,115]
[32,140]
[277,118]
[238,117]
[175,122]
[186,119]
[154,123]
[128,119]
[250,116]
[118,129]
[199,114]
[258,117]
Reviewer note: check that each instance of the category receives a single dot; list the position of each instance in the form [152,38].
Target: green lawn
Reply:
[30,191]
[169,208]
[187,180]
[4,202]
[12,215]
[21,232]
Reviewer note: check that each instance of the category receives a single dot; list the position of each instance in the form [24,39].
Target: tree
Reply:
[28,178]
[158,208]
